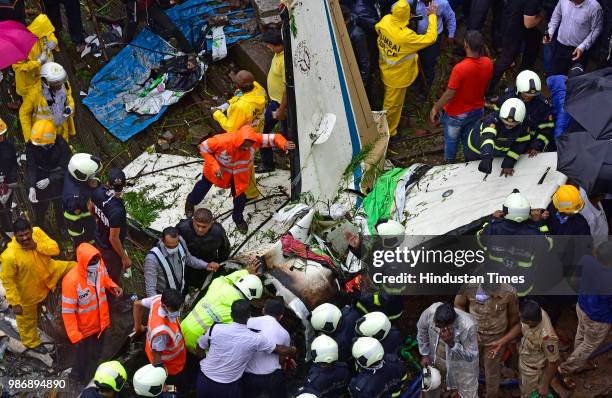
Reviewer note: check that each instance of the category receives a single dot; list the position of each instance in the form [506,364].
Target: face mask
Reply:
[93,267]
[562,219]
[173,315]
[47,147]
[481,296]
[172,251]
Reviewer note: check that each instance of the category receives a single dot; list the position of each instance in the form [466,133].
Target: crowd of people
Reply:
[217,349]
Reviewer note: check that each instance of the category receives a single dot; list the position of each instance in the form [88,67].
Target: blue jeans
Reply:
[267,157]
[457,128]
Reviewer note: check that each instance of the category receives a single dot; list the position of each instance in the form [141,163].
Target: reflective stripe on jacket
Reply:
[174,356]
[84,307]
[35,107]
[222,152]
[215,306]
[398,46]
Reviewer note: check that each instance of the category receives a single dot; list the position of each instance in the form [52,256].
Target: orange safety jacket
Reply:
[84,307]
[174,356]
[222,152]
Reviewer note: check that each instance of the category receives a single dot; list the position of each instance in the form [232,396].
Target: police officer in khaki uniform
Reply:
[538,351]
[495,309]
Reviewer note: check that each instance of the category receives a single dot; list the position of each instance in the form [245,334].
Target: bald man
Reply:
[246,106]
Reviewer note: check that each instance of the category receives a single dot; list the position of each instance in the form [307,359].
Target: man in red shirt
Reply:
[462,103]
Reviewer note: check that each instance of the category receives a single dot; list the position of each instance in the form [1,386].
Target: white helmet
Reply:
[325,318]
[53,73]
[367,351]
[528,82]
[373,324]
[306,395]
[250,285]
[83,166]
[149,380]
[512,111]
[517,207]
[390,228]
[431,379]
[324,349]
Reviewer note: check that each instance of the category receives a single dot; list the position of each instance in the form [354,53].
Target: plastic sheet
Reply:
[131,67]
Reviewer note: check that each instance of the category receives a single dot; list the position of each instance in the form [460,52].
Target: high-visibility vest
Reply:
[222,154]
[174,356]
[172,281]
[215,306]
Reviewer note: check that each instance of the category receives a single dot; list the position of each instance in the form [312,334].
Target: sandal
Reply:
[566,381]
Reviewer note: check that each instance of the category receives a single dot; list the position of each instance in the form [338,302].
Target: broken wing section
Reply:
[334,120]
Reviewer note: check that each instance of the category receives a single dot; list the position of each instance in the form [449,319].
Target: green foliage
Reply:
[141,208]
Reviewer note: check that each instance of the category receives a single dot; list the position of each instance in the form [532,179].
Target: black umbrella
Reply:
[589,102]
[586,160]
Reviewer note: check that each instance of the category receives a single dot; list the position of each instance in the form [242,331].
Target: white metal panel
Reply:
[451,196]
[321,96]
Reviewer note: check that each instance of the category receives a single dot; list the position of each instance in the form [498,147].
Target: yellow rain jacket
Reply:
[27,72]
[29,275]
[247,108]
[398,45]
[35,107]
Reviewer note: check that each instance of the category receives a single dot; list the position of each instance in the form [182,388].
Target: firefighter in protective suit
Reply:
[538,118]
[500,135]
[512,242]
[216,305]
[337,324]
[379,375]
[327,377]
[79,184]
[51,99]
[377,325]
[398,48]
[27,72]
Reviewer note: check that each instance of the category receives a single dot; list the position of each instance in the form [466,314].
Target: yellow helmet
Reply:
[110,375]
[43,132]
[567,199]
[3,127]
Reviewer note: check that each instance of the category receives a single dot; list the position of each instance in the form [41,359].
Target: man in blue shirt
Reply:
[594,310]
[429,55]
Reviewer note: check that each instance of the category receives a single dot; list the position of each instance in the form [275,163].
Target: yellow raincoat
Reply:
[27,72]
[398,59]
[245,109]
[35,107]
[28,276]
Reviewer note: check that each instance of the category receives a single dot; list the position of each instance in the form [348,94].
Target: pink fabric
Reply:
[16,41]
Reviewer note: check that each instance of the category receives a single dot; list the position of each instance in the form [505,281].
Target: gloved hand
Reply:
[67,111]
[42,58]
[222,107]
[32,196]
[485,166]
[4,198]
[42,184]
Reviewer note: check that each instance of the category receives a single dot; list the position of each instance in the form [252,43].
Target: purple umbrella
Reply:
[16,41]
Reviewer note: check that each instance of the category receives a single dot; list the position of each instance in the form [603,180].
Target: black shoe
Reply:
[188,209]
[242,227]
[264,169]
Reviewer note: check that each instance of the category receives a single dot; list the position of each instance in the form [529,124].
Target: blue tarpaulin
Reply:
[131,67]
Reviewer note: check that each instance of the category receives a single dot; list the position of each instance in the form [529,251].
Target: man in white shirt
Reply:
[595,216]
[231,347]
[263,374]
